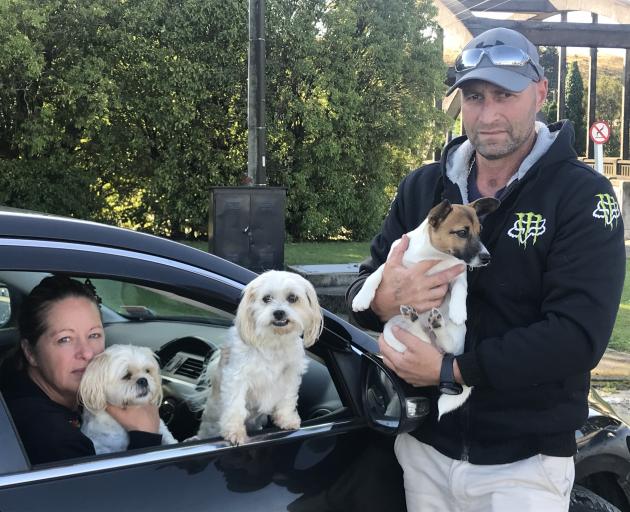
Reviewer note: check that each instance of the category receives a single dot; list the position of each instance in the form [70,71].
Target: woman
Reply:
[61,331]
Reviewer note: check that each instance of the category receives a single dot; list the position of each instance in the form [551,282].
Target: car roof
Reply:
[24,224]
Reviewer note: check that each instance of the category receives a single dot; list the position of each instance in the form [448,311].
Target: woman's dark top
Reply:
[50,431]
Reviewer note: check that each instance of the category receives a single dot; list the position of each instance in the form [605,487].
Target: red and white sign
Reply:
[600,132]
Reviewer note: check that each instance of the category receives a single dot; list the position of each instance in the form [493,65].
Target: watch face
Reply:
[450,388]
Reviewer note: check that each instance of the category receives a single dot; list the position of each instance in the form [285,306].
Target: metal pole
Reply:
[625,109]
[562,76]
[592,95]
[256,172]
[261,170]
[599,158]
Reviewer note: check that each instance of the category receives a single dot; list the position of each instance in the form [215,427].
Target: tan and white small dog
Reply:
[450,233]
[261,365]
[121,375]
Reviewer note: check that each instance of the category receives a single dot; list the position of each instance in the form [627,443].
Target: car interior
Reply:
[183,333]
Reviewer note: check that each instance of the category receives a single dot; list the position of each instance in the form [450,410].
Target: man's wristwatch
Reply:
[448,385]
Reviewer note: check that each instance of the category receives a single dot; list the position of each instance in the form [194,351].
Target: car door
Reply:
[333,462]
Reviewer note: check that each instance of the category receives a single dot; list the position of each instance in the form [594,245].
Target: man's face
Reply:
[498,122]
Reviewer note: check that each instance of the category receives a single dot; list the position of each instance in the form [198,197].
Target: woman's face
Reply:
[74,335]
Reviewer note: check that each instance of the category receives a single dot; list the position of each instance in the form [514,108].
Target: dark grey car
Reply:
[180,302]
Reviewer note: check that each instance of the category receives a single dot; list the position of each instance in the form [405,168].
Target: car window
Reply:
[186,335]
[137,301]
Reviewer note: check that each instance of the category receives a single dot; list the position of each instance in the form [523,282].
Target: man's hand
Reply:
[144,418]
[419,365]
[410,286]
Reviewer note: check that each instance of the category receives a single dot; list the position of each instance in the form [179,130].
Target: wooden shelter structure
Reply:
[527,17]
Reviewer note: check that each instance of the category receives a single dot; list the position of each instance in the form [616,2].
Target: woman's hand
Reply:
[145,418]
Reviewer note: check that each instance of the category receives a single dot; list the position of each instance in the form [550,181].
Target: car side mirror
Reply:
[390,405]
[5,305]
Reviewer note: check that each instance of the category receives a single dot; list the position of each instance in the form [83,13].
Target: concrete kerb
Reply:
[330,282]
[323,276]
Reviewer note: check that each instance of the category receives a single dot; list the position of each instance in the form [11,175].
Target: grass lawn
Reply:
[329,252]
[620,339]
[311,253]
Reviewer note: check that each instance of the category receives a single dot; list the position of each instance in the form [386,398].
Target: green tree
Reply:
[122,111]
[181,110]
[575,107]
[129,112]
[43,116]
[549,62]
[609,94]
[352,110]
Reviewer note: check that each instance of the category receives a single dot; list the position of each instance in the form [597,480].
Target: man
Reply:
[539,316]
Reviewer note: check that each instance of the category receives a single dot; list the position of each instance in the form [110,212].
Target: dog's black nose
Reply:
[142,382]
[279,314]
[484,258]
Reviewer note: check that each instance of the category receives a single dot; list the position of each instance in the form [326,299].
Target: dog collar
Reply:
[448,386]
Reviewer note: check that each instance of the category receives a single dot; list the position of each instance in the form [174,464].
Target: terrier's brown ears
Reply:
[439,213]
[485,205]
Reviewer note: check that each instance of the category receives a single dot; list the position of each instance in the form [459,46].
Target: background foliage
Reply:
[128,111]
[575,108]
[609,93]
[549,62]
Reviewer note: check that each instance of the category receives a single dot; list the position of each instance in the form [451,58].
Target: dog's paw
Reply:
[435,319]
[236,437]
[191,439]
[289,421]
[409,312]
[362,300]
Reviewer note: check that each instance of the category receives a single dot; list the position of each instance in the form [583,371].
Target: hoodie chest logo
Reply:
[607,209]
[528,226]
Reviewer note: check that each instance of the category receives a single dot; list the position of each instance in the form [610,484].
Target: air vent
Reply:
[190,368]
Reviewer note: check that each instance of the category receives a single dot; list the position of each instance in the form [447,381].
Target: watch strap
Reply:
[447,377]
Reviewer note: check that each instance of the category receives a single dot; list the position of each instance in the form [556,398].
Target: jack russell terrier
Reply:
[450,233]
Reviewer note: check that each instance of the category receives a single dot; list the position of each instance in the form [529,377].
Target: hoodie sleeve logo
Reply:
[607,209]
[528,225]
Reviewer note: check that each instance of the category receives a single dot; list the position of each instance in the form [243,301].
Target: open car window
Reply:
[184,334]
[135,301]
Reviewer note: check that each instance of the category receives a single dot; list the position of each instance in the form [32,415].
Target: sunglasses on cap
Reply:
[500,55]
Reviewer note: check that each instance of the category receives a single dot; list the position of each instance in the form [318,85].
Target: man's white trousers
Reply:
[434,482]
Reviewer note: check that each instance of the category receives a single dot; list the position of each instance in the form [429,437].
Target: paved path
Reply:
[611,379]
[614,365]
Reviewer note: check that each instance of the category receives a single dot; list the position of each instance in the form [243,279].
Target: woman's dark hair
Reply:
[35,307]
[33,310]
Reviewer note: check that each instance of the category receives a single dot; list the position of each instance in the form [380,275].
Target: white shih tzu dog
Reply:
[121,375]
[260,367]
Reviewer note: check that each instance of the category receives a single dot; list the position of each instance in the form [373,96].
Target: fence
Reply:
[613,167]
